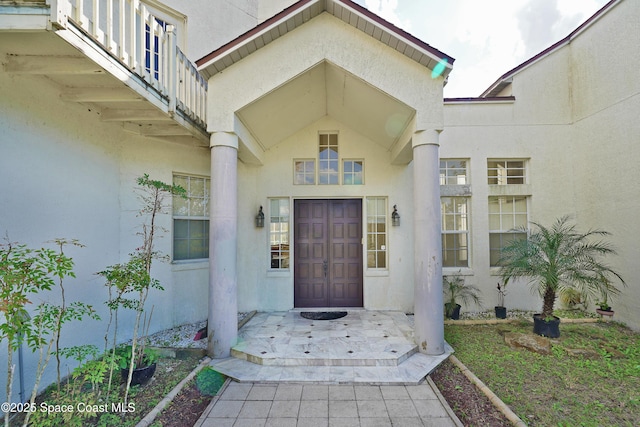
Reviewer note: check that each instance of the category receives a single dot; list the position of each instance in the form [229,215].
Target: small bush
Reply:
[209,381]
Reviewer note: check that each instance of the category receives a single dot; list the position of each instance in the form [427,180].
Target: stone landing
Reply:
[368,347]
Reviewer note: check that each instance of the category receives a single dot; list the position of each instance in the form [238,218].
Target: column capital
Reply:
[226,139]
[426,137]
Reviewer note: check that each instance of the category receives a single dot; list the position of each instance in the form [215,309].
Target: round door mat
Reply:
[323,315]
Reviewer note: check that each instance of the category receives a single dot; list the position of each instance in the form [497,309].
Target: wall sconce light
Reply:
[260,218]
[395,216]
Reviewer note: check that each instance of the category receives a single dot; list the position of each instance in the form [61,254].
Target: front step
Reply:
[411,372]
[362,338]
[309,354]
[370,347]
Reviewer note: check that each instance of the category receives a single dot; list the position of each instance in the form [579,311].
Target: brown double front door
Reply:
[328,253]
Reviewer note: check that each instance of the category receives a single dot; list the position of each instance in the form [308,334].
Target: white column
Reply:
[223,241]
[428,299]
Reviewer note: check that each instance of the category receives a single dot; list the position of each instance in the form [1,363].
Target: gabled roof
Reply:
[305,10]
[506,79]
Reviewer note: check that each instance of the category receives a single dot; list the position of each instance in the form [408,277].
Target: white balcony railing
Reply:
[143,43]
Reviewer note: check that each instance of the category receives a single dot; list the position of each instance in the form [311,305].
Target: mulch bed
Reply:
[471,406]
[185,409]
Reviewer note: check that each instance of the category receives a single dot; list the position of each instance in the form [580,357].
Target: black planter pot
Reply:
[501,312]
[546,328]
[452,314]
[140,375]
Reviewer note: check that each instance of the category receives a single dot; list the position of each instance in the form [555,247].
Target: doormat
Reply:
[323,315]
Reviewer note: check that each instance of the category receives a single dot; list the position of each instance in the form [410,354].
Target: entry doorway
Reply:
[328,266]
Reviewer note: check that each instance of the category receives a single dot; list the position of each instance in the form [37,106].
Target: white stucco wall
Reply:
[575,118]
[301,49]
[606,105]
[212,23]
[69,175]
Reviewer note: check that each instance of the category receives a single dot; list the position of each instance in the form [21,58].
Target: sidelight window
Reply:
[279,233]
[376,232]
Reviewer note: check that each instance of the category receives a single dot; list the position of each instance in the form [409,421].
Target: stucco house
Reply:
[331,123]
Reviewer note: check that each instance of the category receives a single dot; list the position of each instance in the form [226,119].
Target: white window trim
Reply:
[187,217]
[525,165]
[315,170]
[275,272]
[368,269]
[467,171]
[467,232]
[352,160]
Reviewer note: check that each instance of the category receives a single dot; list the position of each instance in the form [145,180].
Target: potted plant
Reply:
[456,290]
[144,364]
[556,259]
[604,309]
[500,309]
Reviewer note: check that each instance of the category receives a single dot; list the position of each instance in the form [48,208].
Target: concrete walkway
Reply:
[311,405]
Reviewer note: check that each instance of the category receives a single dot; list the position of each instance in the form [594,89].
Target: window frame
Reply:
[523,176]
[271,232]
[330,173]
[353,173]
[502,232]
[456,232]
[385,233]
[191,218]
[444,176]
[304,173]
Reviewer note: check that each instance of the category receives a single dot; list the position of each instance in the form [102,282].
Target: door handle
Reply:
[325,266]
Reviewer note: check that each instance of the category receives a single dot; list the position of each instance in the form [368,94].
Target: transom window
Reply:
[279,233]
[506,215]
[505,172]
[191,219]
[328,172]
[376,232]
[455,231]
[304,171]
[453,172]
[352,172]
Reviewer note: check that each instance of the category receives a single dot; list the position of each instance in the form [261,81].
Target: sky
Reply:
[487,38]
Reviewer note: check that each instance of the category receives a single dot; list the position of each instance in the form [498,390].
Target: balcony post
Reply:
[172,58]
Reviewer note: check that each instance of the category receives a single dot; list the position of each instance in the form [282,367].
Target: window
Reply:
[304,172]
[279,233]
[328,159]
[505,215]
[504,172]
[455,231]
[352,172]
[191,219]
[376,232]
[453,172]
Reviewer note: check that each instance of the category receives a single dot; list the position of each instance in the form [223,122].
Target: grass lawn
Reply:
[562,389]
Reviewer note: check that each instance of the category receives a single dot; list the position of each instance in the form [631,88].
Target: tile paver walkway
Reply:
[309,405]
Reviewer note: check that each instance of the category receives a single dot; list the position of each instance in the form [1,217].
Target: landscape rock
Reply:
[534,343]
[584,352]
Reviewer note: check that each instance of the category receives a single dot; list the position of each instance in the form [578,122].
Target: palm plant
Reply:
[559,259]
[456,290]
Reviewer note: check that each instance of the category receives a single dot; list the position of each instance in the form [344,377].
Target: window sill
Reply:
[278,273]
[376,273]
[196,264]
[460,271]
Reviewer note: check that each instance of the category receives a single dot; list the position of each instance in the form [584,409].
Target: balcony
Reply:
[115,57]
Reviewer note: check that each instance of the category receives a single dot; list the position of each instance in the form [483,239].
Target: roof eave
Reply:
[307,10]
